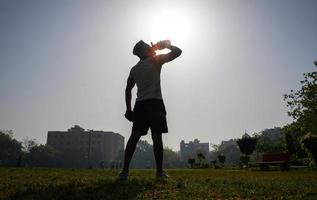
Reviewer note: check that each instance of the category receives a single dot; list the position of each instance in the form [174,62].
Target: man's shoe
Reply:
[161,176]
[123,176]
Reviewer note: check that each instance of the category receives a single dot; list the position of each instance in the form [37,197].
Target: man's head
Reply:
[142,50]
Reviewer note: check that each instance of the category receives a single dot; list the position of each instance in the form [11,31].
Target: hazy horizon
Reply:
[66,62]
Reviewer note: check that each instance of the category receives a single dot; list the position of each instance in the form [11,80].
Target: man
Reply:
[149,110]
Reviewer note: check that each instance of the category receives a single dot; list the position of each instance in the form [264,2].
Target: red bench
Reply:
[278,158]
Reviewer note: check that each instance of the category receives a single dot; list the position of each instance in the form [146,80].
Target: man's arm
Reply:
[164,58]
[130,84]
[128,93]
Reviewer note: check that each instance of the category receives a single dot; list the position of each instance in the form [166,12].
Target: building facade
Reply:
[87,148]
[192,148]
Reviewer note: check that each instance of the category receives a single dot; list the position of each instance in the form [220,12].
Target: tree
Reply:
[270,140]
[42,156]
[310,142]
[215,147]
[201,157]
[303,103]
[10,149]
[303,109]
[247,145]
[28,144]
[289,143]
[191,162]
[293,143]
[222,159]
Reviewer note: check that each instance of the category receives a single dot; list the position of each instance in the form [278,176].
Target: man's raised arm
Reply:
[175,52]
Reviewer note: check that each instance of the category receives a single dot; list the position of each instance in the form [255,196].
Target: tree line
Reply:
[29,153]
[298,138]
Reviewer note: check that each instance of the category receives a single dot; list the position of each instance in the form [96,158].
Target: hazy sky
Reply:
[66,62]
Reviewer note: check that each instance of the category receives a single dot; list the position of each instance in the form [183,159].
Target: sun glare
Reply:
[171,26]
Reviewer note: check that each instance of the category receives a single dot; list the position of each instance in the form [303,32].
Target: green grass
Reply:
[27,183]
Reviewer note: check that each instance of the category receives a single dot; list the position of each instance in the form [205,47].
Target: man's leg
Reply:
[130,148]
[158,151]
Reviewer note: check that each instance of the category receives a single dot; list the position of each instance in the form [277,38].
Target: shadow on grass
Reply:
[100,190]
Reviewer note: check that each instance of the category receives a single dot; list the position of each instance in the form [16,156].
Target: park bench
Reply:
[278,159]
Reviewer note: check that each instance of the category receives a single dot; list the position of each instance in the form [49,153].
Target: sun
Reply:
[170,25]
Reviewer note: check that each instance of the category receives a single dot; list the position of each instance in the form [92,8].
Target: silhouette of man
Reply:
[149,110]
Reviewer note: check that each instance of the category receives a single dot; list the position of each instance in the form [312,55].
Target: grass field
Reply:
[26,183]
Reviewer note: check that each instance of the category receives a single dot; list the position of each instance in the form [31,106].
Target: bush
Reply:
[310,143]
[289,143]
[10,149]
[245,159]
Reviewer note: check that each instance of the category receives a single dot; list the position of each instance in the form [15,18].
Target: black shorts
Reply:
[149,113]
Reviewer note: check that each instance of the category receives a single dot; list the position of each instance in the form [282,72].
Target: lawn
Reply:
[27,183]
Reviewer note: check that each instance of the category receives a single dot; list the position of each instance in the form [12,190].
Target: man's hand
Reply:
[129,115]
[161,45]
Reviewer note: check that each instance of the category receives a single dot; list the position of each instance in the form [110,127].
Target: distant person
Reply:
[149,110]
